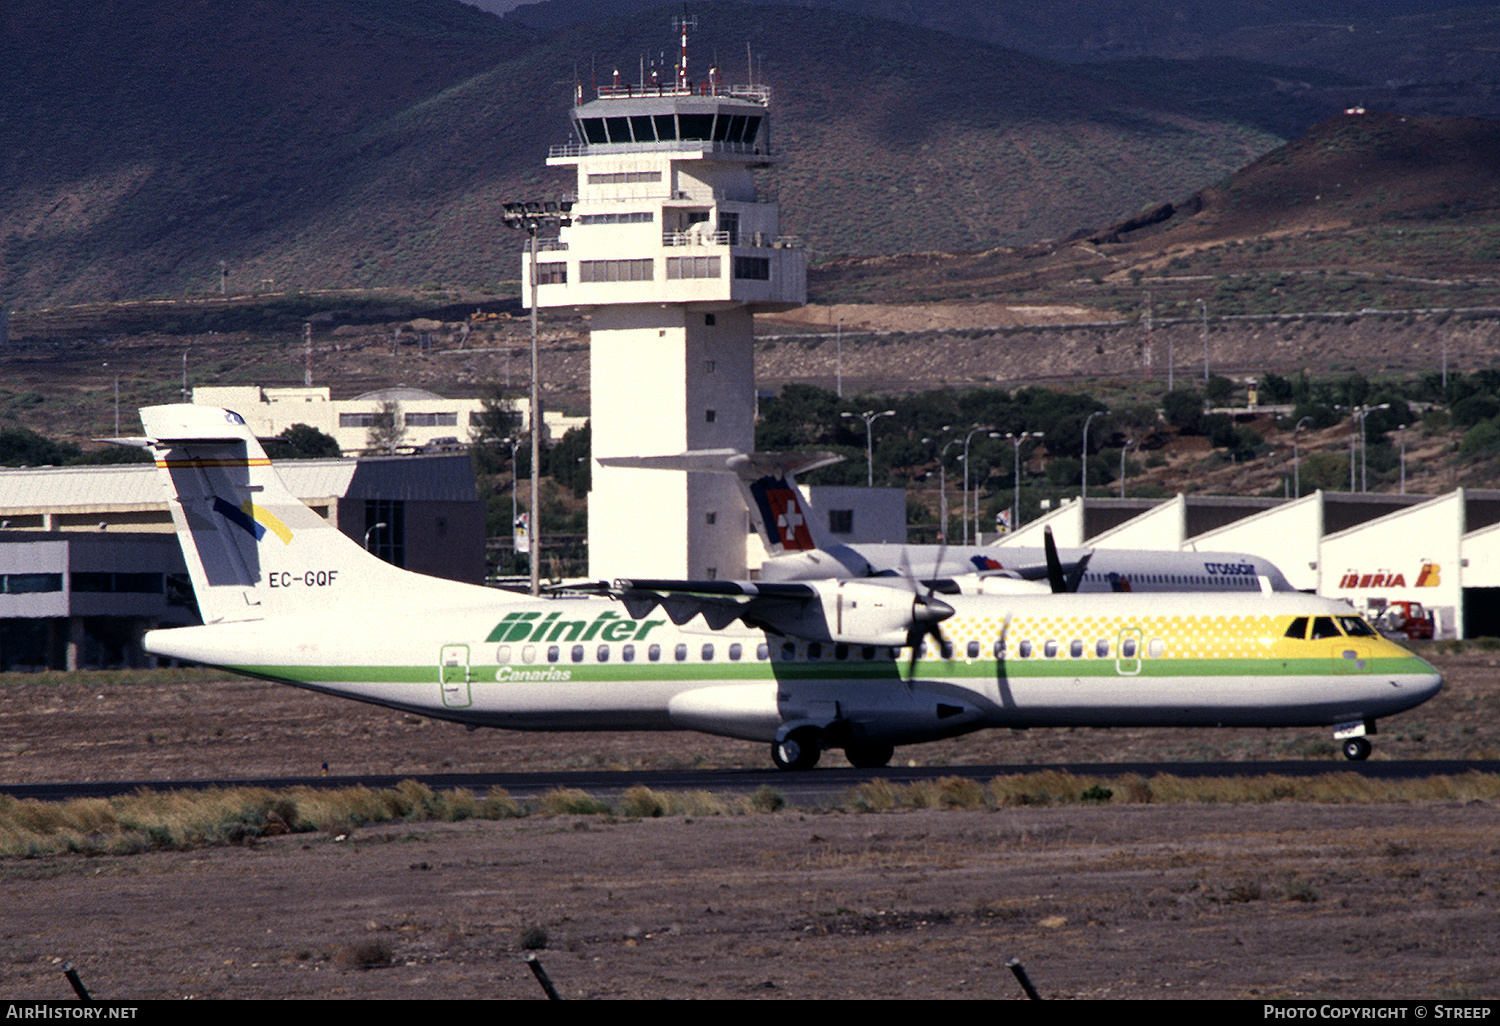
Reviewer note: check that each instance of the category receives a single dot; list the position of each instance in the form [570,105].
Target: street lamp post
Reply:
[838,359]
[869,417]
[1083,490]
[1360,413]
[1128,443]
[943,485]
[515,510]
[1203,307]
[1296,464]
[371,530]
[529,217]
[1402,429]
[977,428]
[1016,438]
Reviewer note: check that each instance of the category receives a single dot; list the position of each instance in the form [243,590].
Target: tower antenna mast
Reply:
[682,24]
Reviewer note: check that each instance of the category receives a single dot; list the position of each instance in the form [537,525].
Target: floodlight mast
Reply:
[530,217]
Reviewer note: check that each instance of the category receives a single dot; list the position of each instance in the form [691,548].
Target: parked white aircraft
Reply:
[800,552]
[804,666]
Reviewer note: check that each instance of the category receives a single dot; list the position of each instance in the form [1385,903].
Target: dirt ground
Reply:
[1277,901]
[1270,901]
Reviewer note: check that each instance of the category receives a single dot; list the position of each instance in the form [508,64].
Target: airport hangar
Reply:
[89,560]
[1366,548]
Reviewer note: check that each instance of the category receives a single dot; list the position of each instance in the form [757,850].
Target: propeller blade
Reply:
[1054,564]
[1075,578]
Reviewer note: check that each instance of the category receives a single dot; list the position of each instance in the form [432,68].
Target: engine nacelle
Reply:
[864,613]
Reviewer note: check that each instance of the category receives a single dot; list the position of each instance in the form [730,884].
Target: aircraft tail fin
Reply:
[778,509]
[253,549]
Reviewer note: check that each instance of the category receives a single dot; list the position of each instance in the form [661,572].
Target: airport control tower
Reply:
[670,253]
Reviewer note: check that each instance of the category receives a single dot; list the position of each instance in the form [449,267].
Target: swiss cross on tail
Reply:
[781,512]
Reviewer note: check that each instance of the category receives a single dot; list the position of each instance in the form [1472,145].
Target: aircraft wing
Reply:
[852,612]
[773,607]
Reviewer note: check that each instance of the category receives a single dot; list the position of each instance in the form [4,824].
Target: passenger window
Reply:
[972,650]
[627,653]
[1075,649]
[946,647]
[554,653]
[867,653]
[603,653]
[1298,628]
[680,652]
[528,654]
[654,653]
[841,651]
[1101,648]
[763,651]
[788,651]
[1025,650]
[814,651]
[708,653]
[1050,649]
[735,651]
[1127,648]
[1156,648]
[502,654]
[1000,648]
[578,653]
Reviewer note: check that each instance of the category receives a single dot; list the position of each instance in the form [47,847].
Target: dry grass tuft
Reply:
[370,953]
[149,820]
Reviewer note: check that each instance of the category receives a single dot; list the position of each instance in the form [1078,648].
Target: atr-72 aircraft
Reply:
[804,666]
[798,551]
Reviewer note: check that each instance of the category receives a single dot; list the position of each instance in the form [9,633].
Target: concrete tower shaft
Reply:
[670,252]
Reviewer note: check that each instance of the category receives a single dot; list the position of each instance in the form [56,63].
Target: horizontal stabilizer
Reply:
[749,466]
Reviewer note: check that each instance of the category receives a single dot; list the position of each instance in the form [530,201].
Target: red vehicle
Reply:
[1405,619]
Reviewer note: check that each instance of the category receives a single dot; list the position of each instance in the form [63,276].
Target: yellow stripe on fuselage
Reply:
[1182,636]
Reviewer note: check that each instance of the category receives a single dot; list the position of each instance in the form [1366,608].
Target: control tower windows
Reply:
[649,128]
[629,217]
[624,177]
[692,267]
[696,126]
[616,270]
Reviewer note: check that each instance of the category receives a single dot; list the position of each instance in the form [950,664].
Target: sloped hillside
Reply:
[369,144]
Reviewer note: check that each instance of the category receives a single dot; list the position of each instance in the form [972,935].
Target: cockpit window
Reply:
[1355,627]
[1323,627]
[1298,628]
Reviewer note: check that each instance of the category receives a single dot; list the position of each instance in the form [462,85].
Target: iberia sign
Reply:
[1430,576]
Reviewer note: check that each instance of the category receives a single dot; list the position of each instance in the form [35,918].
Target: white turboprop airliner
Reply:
[799,552]
[804,666]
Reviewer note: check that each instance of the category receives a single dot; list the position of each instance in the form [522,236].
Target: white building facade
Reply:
[424,420]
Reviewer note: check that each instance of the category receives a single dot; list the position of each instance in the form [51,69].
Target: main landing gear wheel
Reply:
[800,751]
[1357,749]
[869,756]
